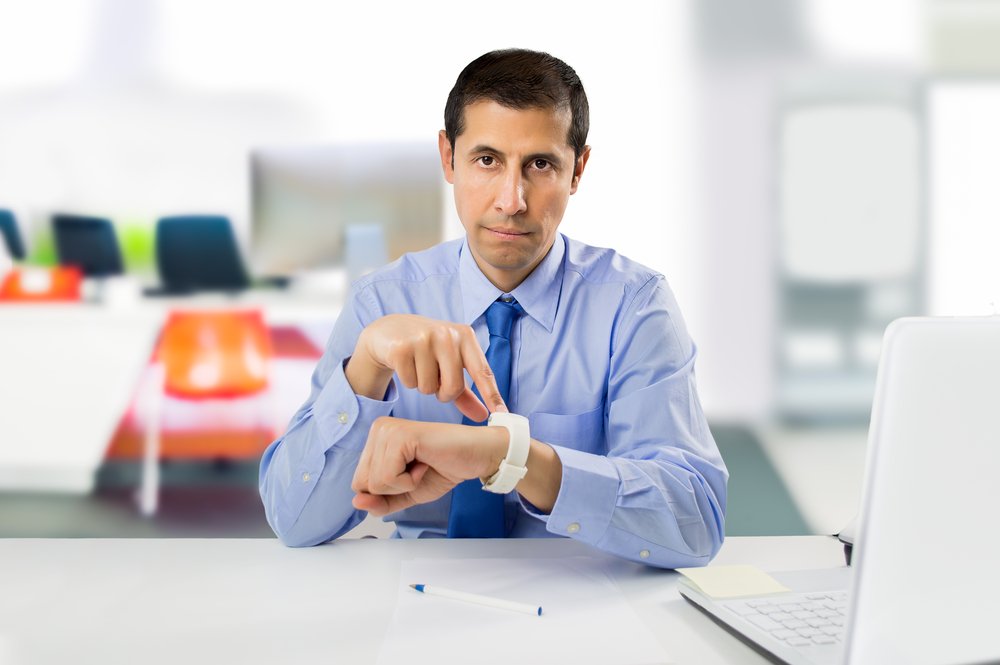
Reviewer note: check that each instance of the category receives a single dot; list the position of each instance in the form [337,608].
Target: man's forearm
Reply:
[306,474]
[387,479]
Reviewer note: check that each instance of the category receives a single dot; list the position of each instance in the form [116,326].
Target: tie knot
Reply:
[500,317]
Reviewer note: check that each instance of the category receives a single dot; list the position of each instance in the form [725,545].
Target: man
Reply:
[587,345]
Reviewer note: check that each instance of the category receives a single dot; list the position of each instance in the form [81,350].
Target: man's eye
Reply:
[541,164]
[486,160]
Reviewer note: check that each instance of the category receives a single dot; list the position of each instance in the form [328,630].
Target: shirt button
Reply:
[507,298]
[342,417]
[573,528]
[644,554]
[306,477]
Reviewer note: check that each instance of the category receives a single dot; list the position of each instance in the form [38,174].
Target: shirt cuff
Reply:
[587,497]
[338,410]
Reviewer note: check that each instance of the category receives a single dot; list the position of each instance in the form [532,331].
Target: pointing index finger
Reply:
[482,376]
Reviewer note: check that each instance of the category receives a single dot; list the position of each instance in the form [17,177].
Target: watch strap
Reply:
[513,467]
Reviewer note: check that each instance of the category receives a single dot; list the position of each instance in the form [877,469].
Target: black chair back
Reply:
[198,253]
[88,243]
[11,236]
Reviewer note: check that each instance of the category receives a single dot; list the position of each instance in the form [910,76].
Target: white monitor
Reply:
[305,198]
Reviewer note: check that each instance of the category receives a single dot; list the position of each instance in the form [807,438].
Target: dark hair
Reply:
[520,79]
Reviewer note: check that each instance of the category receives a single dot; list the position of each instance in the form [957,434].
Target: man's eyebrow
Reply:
[482,147]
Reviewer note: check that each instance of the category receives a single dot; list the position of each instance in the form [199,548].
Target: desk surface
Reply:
[68,374]
[256,601]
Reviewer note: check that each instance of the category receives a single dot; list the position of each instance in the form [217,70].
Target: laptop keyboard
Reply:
[798,620]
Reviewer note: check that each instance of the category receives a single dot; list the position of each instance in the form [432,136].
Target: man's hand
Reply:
[427,355]
[406,462]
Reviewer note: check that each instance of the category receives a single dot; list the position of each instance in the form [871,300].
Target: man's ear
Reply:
[447,157]
[581,163]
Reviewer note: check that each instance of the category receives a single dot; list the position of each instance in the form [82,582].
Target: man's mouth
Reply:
[507,233]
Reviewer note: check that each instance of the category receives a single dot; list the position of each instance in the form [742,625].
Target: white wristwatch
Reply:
[512,468]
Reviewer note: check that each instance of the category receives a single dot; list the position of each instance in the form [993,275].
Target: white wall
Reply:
[965,208]
[135,108]
[215,77]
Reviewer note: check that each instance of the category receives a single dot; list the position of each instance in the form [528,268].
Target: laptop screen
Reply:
[927,584]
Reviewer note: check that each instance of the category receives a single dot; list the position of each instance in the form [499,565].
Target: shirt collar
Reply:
[538,294]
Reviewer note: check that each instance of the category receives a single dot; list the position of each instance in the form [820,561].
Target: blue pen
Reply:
[476,598]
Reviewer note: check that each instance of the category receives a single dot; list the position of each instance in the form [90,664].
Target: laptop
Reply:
[924,585]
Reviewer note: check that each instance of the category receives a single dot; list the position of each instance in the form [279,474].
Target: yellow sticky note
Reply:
[732,581]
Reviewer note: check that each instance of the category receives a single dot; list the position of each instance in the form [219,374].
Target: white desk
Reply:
[256,601]
[67,373]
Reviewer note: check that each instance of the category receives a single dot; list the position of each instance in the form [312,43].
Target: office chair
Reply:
[11,235]
[203,355]
[88,243]
[33,284]
[198,253]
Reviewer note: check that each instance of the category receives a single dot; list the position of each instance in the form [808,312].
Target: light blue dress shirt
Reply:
[602,367]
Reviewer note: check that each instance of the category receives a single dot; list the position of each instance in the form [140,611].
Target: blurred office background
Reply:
[803,172]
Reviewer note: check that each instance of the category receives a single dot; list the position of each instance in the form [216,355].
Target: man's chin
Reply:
[507,261]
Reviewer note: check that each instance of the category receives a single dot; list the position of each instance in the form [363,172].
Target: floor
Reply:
[823,470]
[783,481]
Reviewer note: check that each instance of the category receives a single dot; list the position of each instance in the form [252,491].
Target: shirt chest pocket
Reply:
[581,431]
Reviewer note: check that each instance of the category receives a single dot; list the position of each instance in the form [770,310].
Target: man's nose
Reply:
[510,199]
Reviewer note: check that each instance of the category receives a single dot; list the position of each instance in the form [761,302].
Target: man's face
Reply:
[513,174]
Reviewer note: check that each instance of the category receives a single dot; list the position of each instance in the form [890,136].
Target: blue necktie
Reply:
[476,513]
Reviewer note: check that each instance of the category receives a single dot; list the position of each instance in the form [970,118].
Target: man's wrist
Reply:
[367,378]
[495,441]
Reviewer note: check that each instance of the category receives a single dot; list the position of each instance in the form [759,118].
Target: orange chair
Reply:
[203,354]
[42,285]
[215,353]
